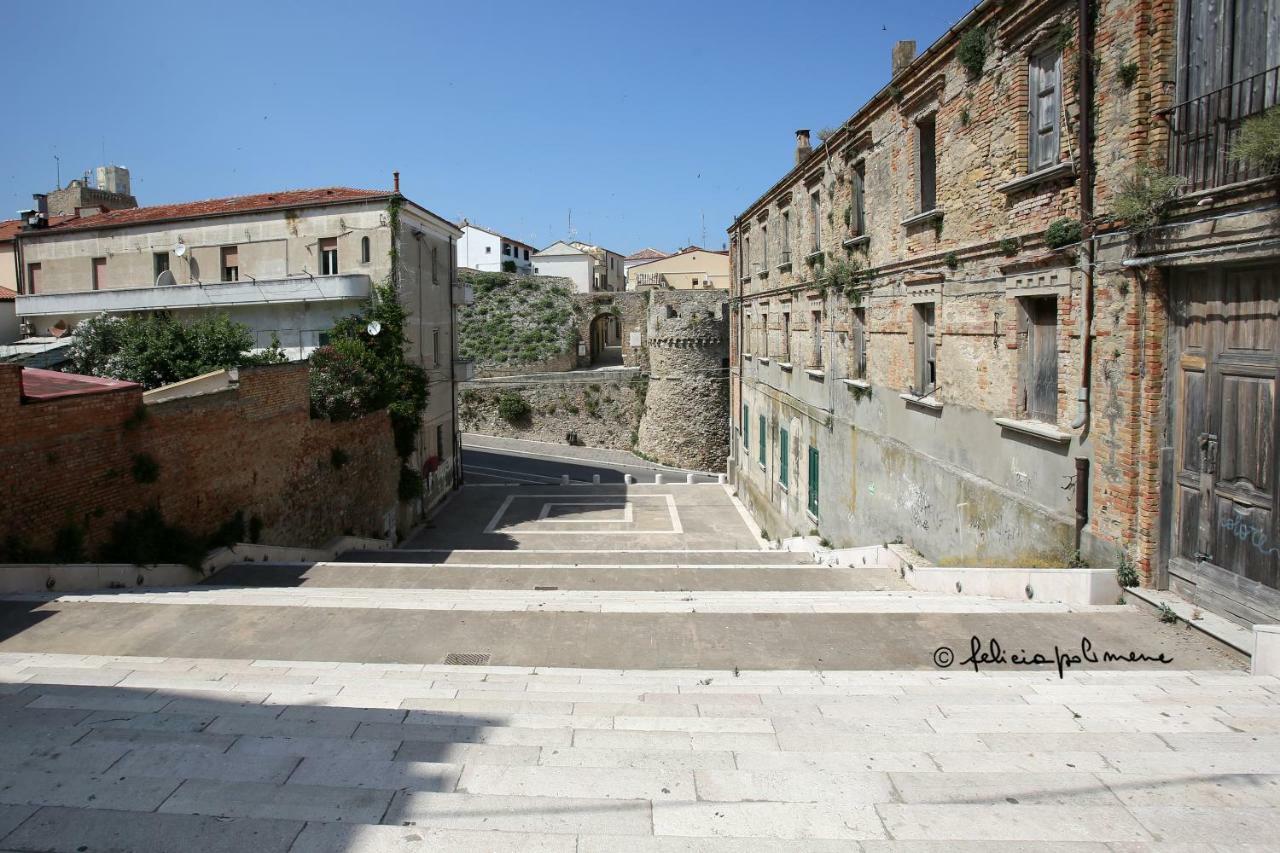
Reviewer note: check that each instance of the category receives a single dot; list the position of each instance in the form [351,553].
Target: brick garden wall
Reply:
[74,463]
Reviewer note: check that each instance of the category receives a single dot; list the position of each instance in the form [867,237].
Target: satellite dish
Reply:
[165,279]
[374,327]
[180,249]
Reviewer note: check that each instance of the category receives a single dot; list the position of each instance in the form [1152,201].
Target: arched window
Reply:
[364,250]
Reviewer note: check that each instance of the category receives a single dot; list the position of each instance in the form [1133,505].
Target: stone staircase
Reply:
[559,698]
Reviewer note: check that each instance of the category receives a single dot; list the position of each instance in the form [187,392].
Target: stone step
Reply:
[109,752]
[569,600]
[376,575]
[599,558]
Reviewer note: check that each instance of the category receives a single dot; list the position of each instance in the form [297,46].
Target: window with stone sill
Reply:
[857,343]
[815,341]
[1044,109]
[926,164]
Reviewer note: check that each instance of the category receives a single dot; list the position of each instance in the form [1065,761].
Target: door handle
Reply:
[1208,453]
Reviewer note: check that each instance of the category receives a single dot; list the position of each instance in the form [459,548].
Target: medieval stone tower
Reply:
[686,413]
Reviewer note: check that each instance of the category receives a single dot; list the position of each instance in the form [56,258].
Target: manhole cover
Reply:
[466,659]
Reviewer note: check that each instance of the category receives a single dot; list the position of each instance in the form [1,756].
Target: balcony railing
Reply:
[1203,130]
[650,279]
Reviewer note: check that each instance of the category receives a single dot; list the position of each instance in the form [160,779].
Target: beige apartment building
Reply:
[693,268]
[1022,308]
[285,264]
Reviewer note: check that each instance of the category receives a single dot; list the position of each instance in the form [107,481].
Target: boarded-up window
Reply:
[329,256]
[815,219]
[230,263]
[815,338]
[786,335]
[99,273]
[764,334]
[1044,101]
[926,372]
[927,164]
[1038,364]
[1225,42]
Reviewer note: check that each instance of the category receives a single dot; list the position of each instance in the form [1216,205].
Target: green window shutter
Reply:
[784,456]
[813,481]
[763,450]
[746,426]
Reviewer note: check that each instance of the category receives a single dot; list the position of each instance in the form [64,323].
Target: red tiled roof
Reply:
[220,207]
[39,384]
[9,227]
[646,255]
[7,295]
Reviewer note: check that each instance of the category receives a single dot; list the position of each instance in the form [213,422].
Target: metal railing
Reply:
[650,279]
[1203,130]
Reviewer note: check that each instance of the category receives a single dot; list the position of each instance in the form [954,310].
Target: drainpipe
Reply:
[1086,214]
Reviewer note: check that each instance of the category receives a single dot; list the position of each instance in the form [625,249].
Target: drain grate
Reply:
[466,659]
[545,588]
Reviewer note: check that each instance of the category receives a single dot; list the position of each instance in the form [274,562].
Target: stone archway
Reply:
[604,340]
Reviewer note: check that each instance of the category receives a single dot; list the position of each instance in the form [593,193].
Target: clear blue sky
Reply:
[643,117]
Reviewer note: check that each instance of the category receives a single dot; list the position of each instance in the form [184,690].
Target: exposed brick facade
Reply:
[252,449]
[941,472]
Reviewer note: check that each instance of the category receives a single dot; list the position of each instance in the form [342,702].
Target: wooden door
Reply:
[1226,544]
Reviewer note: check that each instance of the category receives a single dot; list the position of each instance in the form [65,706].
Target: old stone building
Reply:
[1021,307]
[285,264]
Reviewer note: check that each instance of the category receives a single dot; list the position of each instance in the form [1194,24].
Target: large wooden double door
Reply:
[1225,544]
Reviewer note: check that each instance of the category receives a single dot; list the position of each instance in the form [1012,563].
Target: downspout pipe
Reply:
[1085,148]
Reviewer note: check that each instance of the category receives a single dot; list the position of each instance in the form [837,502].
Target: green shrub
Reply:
[1063,232]
[156,349]
[1258,144]
[1127,573]
[1010,246]
[1146,196]
[952,260]
[1127,74]
[508,266]
[512,407]
[971,51]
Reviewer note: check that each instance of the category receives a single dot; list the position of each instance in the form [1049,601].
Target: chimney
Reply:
[395,176]
[903,53]
[42,204]
[803,148]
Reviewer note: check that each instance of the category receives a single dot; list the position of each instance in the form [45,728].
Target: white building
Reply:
[488,251]
[592,269]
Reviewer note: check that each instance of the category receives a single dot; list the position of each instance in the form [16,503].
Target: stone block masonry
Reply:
[603,410]
[75,466]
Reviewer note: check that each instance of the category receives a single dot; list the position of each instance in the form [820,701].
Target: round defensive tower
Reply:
[686,413]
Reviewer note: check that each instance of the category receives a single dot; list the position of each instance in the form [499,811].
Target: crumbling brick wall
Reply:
[81,463]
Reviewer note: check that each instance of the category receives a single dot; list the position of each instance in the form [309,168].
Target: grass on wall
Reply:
[516,320]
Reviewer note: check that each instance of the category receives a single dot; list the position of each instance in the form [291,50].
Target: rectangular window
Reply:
[813,482]
[815,220]
[440,440]
[159,263]
[764,334]
[99,273]
[746,426]
[858,344]
[926,373]
[927,164]
[763,453]
[784,457]
[815,335]
[764,247]
[435,266]
[786,237]
[506,250]
[857,212]
[1044,102]
[786,336]
[746,247]
[329,256]
[435,347]
[230,263]
[33,278]
[1038,365]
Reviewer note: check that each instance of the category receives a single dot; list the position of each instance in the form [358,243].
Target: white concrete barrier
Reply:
[595,479]
[1069,586]
[657,479]
[1266,650]
[564,479]
[722,478]
[628,479]
[688,478]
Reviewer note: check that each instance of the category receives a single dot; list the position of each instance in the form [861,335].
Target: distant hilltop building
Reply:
[691,268]
[591,268]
